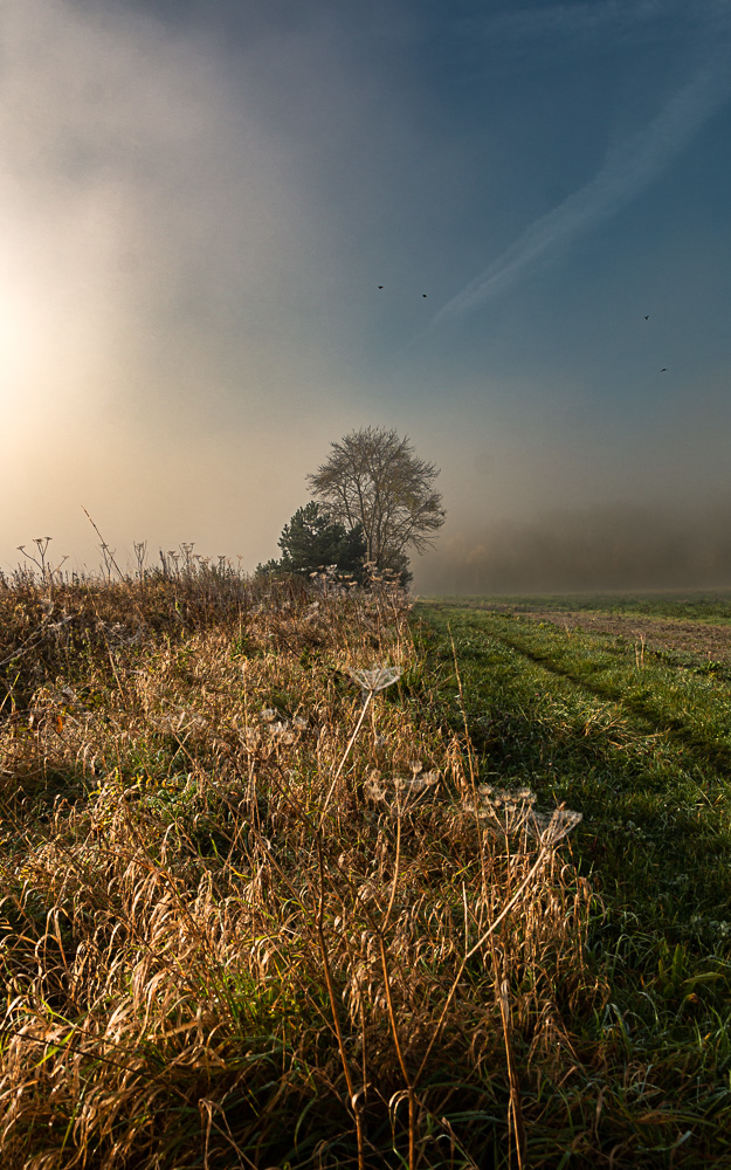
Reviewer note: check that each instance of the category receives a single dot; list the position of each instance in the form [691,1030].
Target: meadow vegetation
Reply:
[258,905]
[640,741]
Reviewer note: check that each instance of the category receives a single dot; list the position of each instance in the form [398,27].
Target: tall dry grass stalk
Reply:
[202,969]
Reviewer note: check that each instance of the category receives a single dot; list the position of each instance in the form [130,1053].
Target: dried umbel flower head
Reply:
[371,681]
[393,789]
[514,809]
[412,784]
[550,829]
[374,788]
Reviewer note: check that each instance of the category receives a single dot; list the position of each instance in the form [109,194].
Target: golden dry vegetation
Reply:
[256,909]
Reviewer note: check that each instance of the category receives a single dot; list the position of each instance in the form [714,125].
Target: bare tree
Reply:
[373,478]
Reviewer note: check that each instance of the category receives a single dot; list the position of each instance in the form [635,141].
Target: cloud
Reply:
[629,168]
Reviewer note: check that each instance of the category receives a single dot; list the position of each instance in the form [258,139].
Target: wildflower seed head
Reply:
[377,679]
[373,788]
[525,795]
[561,824]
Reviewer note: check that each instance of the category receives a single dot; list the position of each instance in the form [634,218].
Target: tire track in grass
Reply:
[654,847]
[715,755]
[655,811]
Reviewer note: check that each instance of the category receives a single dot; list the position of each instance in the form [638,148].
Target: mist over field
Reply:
[621,548]
[235,233]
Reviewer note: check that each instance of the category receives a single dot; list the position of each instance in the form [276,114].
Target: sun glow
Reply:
[15,342]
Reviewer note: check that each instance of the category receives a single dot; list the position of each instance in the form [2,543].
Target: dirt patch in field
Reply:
[700,639]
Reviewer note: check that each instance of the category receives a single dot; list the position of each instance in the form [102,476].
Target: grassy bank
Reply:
[640,742]
[256,908]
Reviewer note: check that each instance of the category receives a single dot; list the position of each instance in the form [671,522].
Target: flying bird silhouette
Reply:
[424,295]
[380,286]
[647,316]
[664,370]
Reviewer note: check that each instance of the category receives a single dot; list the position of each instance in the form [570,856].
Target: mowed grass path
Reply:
[641,747]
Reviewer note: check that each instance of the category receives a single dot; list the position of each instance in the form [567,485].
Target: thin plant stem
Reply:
[319,927]
[468,955]
[399,1054]
[515,1112]
[346,753]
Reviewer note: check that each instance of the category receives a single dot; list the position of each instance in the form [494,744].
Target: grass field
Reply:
[638,740]
[294,877]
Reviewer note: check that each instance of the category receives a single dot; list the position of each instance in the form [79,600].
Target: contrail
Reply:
[628,169]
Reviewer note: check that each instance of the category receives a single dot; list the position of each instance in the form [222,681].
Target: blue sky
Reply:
[200,200]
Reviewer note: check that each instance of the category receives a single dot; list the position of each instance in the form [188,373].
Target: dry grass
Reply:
[206,965]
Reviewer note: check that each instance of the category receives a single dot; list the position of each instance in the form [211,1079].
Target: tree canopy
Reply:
[374,479]
[313,540]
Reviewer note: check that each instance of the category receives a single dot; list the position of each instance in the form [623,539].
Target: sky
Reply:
[200,198]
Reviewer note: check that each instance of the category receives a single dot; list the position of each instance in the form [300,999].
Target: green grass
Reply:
[710,607]
[644,752]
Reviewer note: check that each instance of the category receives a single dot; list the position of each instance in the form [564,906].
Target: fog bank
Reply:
[603,548]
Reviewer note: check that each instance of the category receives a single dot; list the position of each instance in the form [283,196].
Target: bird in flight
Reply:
[647,316]
[424,295]
[664,370]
